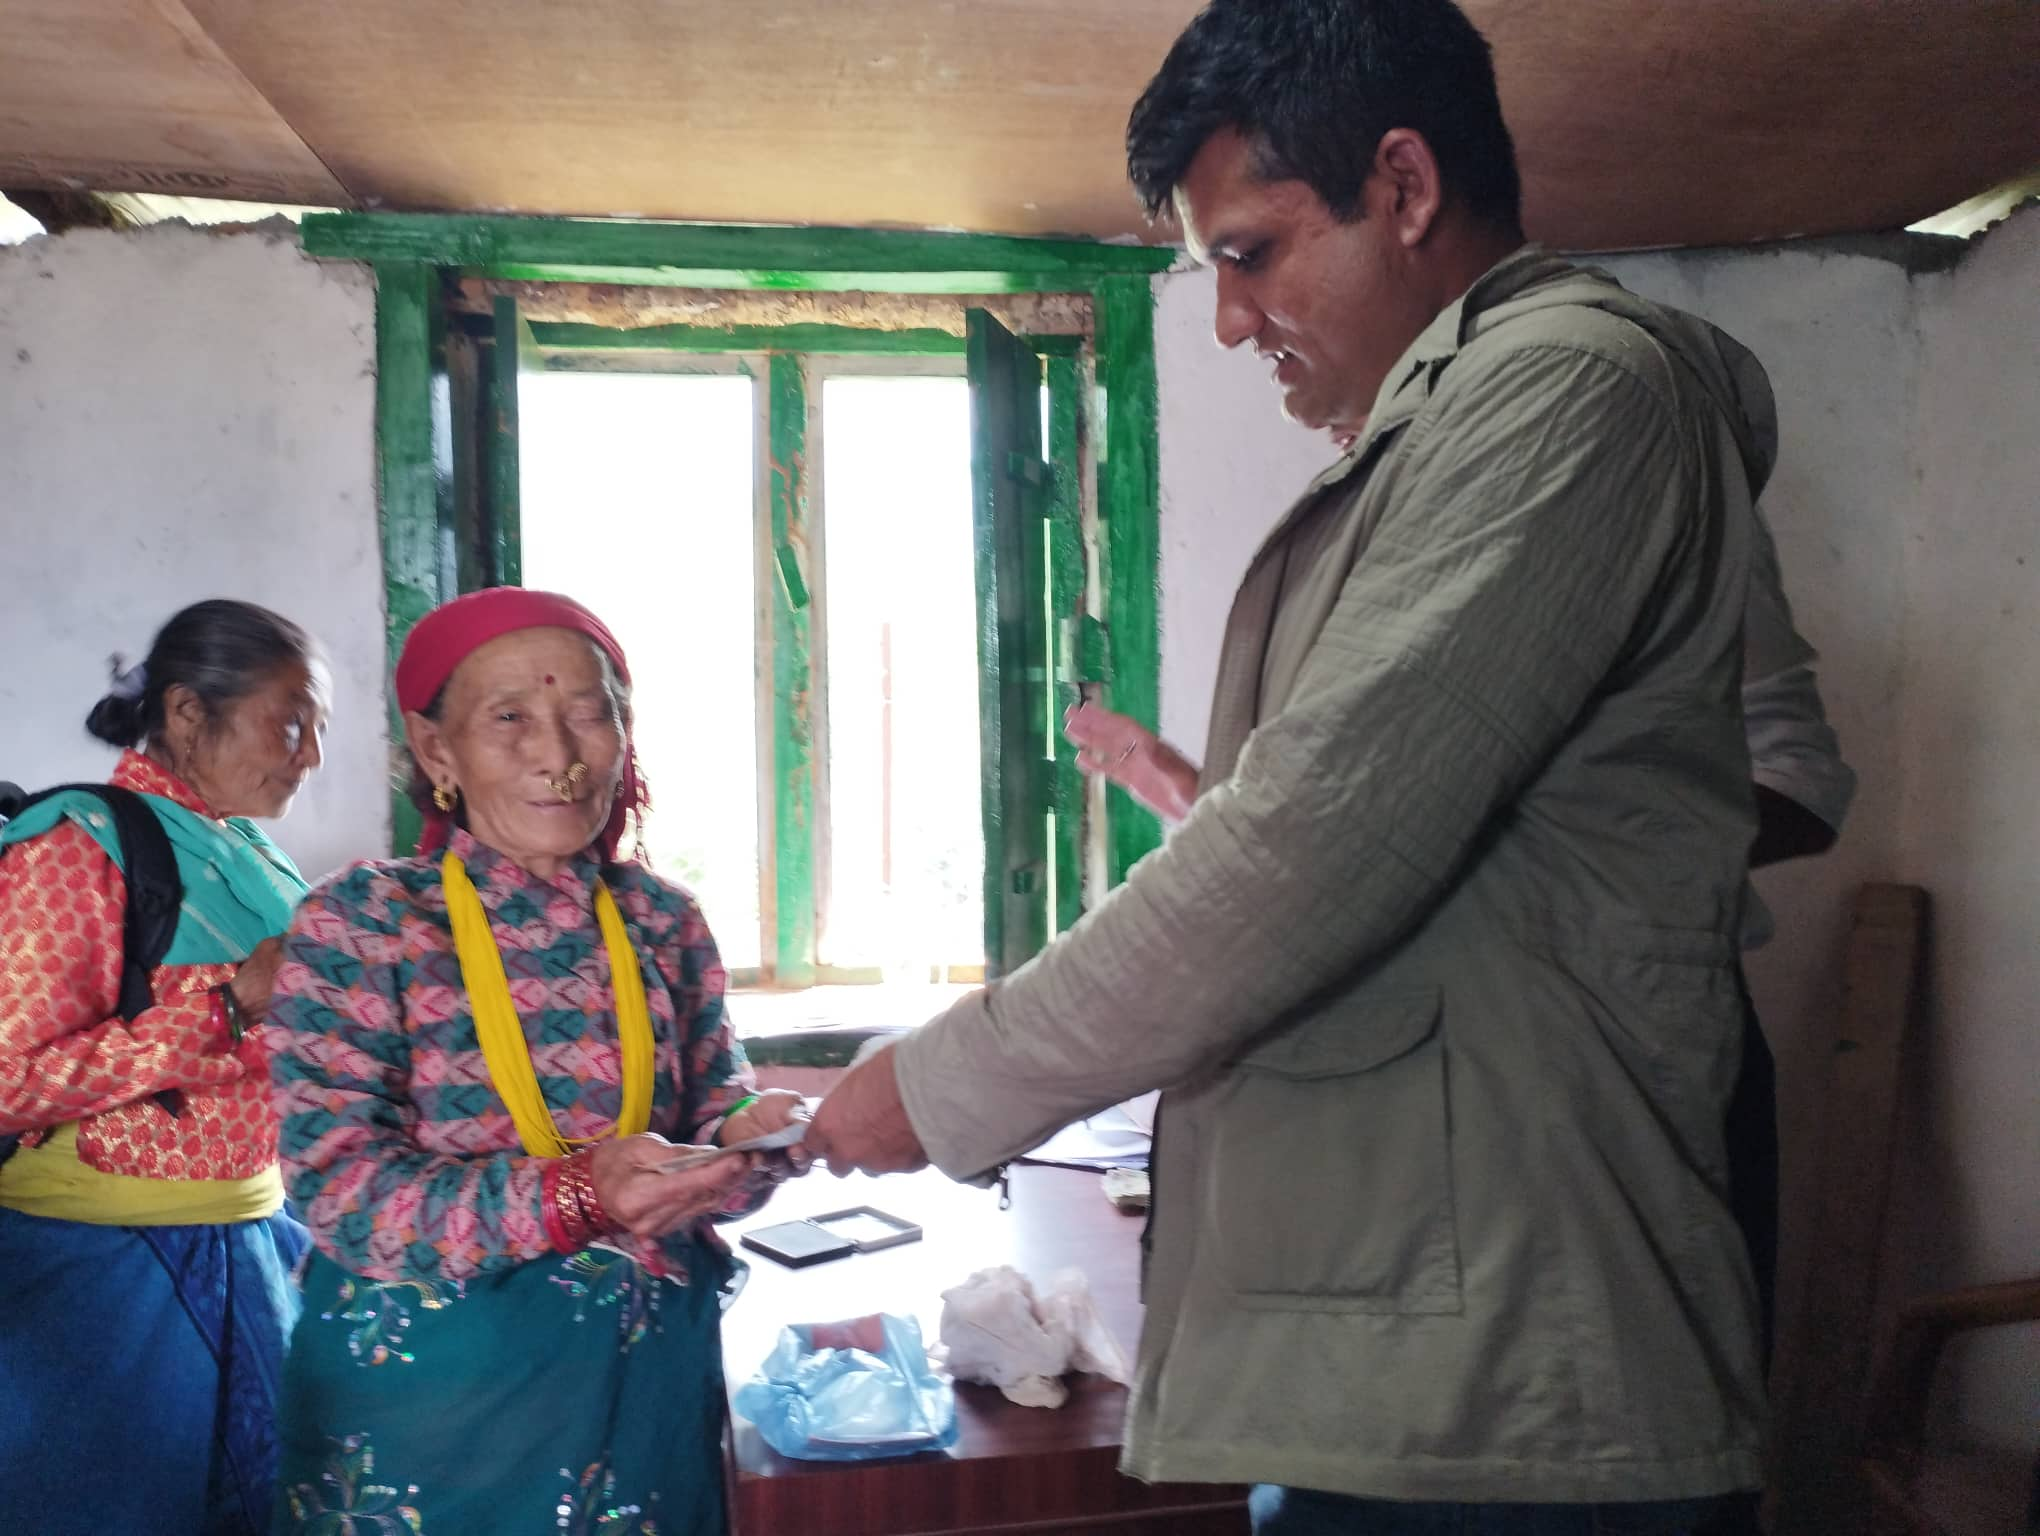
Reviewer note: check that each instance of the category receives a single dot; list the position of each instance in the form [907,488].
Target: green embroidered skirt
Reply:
[566,1397]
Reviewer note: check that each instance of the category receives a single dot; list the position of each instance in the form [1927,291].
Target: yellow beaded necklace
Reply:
[504,1048]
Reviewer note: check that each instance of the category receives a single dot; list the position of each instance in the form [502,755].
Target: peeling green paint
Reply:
[1129,507]
[793,739]
[1064,604]
[1087,652]
[726,255]
[414,474]
[1008,533]
[513,354]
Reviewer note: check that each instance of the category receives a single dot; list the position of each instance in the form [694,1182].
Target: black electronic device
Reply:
[797,1244]
[832,1235]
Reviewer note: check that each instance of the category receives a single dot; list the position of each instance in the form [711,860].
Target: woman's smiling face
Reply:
[514,719]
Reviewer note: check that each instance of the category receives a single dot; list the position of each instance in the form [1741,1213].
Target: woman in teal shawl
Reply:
[145,1292]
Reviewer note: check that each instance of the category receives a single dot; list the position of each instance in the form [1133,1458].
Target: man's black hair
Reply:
[1313,85]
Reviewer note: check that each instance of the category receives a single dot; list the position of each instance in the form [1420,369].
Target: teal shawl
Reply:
[239,887]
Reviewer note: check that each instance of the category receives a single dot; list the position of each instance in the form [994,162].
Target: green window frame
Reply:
[437,483]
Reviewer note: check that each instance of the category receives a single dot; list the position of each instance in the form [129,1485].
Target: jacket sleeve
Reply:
[65,1052]
[340,1059]
[1498,592]
[1793,749]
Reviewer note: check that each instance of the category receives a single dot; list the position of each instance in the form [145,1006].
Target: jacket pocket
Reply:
[1331,1169]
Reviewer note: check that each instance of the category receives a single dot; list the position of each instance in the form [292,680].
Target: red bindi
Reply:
[548,679]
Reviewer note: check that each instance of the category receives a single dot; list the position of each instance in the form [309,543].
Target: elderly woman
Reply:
[488,1053]
[144,1257]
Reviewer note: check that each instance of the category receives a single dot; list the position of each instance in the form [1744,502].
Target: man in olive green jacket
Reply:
[1439,970]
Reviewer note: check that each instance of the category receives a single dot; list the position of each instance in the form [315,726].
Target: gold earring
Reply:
[446,799]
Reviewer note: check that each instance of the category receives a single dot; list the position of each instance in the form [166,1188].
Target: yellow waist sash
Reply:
[51,1181]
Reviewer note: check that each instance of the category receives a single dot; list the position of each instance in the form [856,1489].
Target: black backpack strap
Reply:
[154,894]
[154,890]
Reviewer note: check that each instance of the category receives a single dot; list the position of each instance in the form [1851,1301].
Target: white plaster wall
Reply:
[1230,465]
[186,415]
[1969,1209]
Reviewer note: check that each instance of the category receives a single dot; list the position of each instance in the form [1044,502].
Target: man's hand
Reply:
[1133,757]
[863,1125]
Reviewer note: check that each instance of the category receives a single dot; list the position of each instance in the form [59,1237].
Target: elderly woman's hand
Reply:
[647,1203]
[256,979]
[770,1109]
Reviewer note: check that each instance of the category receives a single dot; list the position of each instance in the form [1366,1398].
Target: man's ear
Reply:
[1412,190]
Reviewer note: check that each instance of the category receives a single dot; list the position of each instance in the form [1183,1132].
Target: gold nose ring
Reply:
[569,782]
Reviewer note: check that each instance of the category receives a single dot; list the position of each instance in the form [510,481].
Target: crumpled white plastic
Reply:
[1067,1306]
[997,1329]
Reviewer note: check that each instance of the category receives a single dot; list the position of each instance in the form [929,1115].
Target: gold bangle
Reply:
[577,1177]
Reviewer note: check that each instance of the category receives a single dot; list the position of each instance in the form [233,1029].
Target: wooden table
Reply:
[1013,1469]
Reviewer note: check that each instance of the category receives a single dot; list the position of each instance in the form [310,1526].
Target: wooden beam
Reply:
[1820,1410]
[1129,512]
[62,211]
[615,307]
[1065,604]
[137,96]
[504,544]
[818,340]
[793,726]
[414,475]
[725,255]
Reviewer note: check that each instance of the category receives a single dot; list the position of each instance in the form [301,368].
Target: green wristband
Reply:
[731,1113]
[230,1009]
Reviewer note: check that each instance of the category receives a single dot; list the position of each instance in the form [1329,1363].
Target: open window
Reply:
[861,564]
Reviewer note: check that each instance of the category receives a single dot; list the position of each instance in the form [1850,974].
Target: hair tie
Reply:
[129,683]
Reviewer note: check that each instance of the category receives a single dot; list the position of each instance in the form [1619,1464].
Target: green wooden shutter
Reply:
[1010,489]
[1067,617]
[514,354]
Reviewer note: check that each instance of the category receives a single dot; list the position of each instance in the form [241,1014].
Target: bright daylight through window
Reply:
[640,495]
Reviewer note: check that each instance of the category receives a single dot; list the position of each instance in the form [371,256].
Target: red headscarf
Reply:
[453,631]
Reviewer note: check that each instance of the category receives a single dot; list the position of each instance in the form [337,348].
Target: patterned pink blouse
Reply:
[397,1149]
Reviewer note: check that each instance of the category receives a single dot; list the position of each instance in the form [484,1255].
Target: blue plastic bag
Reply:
[846,1404]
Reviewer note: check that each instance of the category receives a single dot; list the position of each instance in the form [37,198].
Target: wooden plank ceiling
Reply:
[132,96]
[1638,122]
